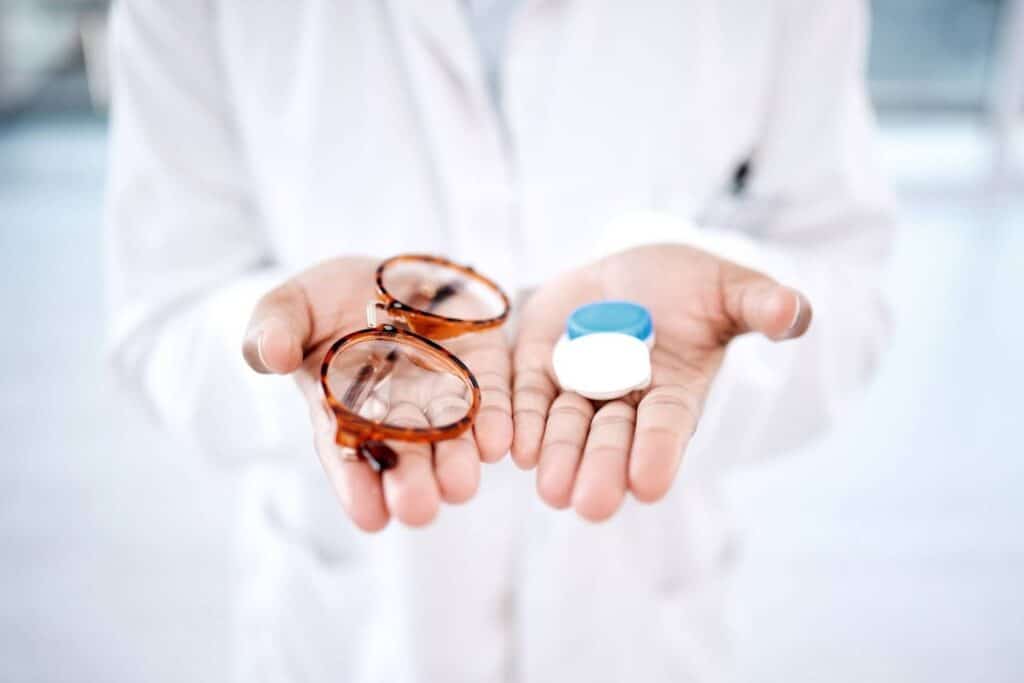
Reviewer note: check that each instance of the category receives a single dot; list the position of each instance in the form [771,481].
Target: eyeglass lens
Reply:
[442,290]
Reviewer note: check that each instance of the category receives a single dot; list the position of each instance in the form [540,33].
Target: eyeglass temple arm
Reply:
[371,374]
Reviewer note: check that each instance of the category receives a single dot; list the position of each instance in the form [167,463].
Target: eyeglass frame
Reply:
[423,328]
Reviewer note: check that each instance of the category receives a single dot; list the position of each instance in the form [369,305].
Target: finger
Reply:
[564,437]
[541,323]
[456,461]
[665,419]
[487,356]
[410,489]
[532,394]
[601,481]
[278,330]
[457,467]
[357,487]
[756,303]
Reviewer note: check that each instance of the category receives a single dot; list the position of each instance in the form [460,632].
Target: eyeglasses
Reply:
[391,381]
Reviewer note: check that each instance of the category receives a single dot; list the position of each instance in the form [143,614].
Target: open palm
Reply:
[589,454]
[292,328]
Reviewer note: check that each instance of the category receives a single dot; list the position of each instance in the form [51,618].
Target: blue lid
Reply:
[610,316]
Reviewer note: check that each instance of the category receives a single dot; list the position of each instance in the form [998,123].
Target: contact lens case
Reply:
[605,352]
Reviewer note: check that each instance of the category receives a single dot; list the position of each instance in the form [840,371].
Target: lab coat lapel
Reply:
[442,27]
[536,56]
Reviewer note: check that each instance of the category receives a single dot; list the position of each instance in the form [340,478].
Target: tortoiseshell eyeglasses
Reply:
[392,381]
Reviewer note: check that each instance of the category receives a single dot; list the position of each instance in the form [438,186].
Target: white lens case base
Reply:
[604,365]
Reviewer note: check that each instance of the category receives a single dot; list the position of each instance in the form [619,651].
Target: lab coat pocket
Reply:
[304,600]
[635,598]
[696,563]
[693,534]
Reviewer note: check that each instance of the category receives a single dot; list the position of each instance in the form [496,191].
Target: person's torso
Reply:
[369,127]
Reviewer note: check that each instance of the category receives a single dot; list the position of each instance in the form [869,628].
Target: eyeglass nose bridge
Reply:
[373,308]
[393,312]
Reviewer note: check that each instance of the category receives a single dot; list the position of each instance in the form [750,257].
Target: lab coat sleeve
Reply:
[187,255]
[816,216]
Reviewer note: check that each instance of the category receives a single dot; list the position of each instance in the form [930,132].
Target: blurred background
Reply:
[890,551]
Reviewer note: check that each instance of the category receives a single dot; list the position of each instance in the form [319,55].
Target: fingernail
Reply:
[253,351]
[796,315]
[259,348]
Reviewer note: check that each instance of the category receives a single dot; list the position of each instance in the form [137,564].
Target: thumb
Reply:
[278,330]
[756,303]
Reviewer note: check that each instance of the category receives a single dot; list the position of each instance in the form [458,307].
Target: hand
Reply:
[289,333]
[589,454]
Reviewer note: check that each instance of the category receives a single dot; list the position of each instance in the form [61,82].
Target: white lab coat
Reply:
[252,139]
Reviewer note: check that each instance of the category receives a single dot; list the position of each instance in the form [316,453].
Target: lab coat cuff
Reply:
[199,385]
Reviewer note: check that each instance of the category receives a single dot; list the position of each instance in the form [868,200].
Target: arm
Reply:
[816,218]
[190,264]
[186,253]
